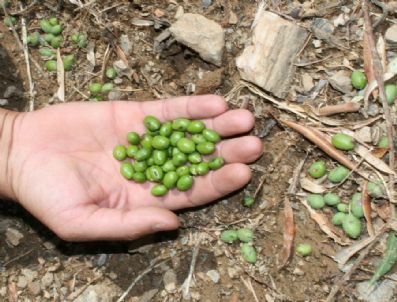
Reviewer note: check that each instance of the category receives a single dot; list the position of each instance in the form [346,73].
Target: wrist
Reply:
[7,128]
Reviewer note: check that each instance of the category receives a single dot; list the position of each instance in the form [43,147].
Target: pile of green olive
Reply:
[246,236]
[169,154]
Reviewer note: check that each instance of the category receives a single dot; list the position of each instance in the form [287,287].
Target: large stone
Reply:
[202,35]
[269,61]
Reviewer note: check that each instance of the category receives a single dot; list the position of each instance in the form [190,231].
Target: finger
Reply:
[192,107]
[232,122]
[96,223]
[205,189]
[244,149]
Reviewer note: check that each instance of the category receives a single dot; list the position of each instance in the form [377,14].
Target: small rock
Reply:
[234,272]
[179,12]
[125,44]
[10,91]
[29,274]
[373,109]
[148,296]
[49,245]
[382,293]
[22,282]
[298,272]
[103,257]
[34,288]
[341,81]
[364,134]
[214,275]
[391,34]
[210,81]
[3,102]
[200,34]
[233,19]
[195,296]
[114,95]
[13,236]
[3,291]
[322,28]
[207,3]
[307,82]
[47,280]
[341,20]
[105,291]
[317,43]
[169,280]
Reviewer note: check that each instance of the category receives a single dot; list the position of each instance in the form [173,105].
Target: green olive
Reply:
[132,150]
[248,201]
[133,138]
[56,30]
[180,124]
[186,145]
[304,249]
[10,21]
[75,37]
[198,138]
[175,151]
[338,218]
[317,169]
[170,179]
[245,235]
[316,201]
[391,93]
[202,168]
[96,98]
[53,21]
[206,148]
[248,253]
[150,161]
[383,142]
[211,135]
[179,159]
[110,72]
[159,190]
[195,158]
[159,157]
[195,127]
[120,152]
[175,137]
[83,41]
[331,199]
[127,170]
[146,141]
[229,236]
[160,142]
[95,88]
[106,88]
[184,170]
[139,177]
[216,163]
[193,170]
[184,183]
[359,81]
[46,52]
[343,141]
[143,154]
[51,65]
[342,207]
[154,173]
[166,129]
[375,190]
[140,166]
[352,226]
[34,39]
[45,26]
[56,42]
[152,123]
[48,38]
[338,174]
[168,166]
[68,62]
[356,205]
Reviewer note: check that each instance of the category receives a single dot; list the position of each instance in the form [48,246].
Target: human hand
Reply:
[63,172]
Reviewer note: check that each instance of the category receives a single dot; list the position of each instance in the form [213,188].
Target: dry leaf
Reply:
[366,204]
[311,186]
[381,48]
[372,160]
[346,253]
[289,233]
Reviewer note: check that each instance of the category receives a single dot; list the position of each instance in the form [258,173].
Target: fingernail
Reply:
[159,227]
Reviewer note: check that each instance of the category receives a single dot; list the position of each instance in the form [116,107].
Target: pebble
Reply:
[125,44]
[169,280]
[34,288]
[3,102]
[341,81]
[233,19]
[47,280]
[202,35]
[382,293]
[29,274]
[10,91]
[214,275]
[14,236]
[298,272]
[207,3]
[22,282]
[373,109]
[3,291]
[364,134]
[234,272]
[114,95]
[307,82]
[104,291]
[391,34]
[195,296]
[179,12]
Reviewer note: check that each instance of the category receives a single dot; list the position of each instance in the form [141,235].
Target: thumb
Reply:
[96,223]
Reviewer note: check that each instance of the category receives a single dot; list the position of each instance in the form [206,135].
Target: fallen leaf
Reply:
[366,204]
[372,160]
[289,233]
[311,186]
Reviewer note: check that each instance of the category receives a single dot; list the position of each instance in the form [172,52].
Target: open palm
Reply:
[63,171]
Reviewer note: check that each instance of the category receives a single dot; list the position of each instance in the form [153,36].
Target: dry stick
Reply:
[73,296]
[378,73]
[27,61]
[186,284]
[249,286]
[340,108]
[352,269]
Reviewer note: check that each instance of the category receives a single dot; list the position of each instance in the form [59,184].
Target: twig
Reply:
[339,108]
[104,63]
[385,11]
[186,284]
[73,296]
[352,269]
[249,286]
[27,62]
[18,257]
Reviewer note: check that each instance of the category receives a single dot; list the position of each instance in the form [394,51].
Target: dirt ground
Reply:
[41,267]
